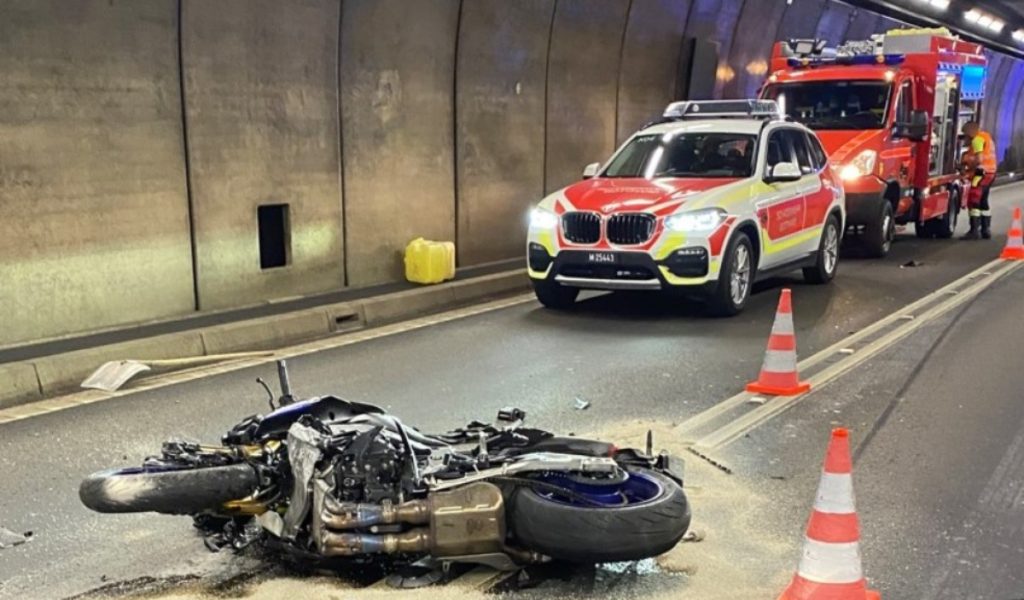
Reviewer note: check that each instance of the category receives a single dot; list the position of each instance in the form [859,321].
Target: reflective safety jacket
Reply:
[984,145]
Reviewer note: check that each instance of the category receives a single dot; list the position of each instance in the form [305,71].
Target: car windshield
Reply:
[827,105]
[704,155]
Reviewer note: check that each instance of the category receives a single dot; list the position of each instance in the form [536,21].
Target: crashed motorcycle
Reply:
[323,478]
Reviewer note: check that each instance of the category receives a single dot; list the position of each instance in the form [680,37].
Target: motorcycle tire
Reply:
[171,491]
[586,534]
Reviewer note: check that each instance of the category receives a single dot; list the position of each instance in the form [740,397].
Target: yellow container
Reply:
[429,262]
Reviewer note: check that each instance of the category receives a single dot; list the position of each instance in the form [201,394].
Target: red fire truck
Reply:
[889,112]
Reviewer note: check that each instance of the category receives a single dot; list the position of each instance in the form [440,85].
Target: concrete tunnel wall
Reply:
[140,136]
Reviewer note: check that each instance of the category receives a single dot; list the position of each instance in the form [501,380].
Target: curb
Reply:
[31,380]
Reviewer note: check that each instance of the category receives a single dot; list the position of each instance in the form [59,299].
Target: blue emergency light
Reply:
[859,59]
[972,81]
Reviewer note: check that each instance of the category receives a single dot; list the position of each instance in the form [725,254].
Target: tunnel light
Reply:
[1019,35]
[757,67]
[940,4]
[985,20]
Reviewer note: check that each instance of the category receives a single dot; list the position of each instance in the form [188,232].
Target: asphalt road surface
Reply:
[938,421]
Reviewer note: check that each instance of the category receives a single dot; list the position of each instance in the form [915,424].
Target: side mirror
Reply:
[784,171]
[591,170]
[917,129]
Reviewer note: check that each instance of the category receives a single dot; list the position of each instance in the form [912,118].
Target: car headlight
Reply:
[543,219]
[861,166]
[698,220]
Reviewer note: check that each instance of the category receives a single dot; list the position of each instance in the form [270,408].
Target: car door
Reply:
[780,209]
[819,193]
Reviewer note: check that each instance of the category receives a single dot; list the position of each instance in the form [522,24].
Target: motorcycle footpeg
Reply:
[510,414]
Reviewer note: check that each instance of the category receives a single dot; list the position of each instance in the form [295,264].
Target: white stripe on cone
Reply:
[779,361]
[830,563]
[835,494]
[783,323]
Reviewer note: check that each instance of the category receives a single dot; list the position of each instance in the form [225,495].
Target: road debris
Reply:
[911,264]
[757,400]
[846,350]
[9,539]
[110,376]
[694,535]
[582,404]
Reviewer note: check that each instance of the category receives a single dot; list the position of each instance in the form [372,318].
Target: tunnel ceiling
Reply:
[1012,9]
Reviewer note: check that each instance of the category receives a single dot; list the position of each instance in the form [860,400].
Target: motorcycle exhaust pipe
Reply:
[464,521]
[352,515]
[355,544]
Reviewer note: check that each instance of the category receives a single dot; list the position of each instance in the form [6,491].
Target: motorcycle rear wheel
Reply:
[575,532]
[167,490]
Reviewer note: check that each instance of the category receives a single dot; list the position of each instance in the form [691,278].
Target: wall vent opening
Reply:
[275,235]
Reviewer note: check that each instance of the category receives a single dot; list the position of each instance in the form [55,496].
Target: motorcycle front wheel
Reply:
[167,489]
[643,516]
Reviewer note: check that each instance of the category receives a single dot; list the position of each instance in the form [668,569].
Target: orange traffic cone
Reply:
[830,565]
[1014,249]
[778,372]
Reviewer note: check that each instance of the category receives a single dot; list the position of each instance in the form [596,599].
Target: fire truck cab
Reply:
[889,111]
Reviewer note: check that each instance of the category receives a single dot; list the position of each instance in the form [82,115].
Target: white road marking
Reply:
[935,304]
[730,404]
[35,409]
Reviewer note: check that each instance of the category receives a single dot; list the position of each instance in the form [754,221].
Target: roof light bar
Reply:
[717,109]
[859,59]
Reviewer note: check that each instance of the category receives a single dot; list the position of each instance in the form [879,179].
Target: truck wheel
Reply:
[824,269]
[945,226]
[554,295]
[735,279]
[923,230]
[878,235]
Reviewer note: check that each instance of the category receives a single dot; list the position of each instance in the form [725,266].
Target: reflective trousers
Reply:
[977,198]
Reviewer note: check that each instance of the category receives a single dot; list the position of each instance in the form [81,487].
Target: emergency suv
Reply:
[706,201]
[889,111]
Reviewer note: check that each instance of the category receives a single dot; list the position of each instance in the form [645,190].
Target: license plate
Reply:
[603,258]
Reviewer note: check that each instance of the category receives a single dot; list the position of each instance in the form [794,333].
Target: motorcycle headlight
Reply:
[698,220]
[543,219]
[861,166]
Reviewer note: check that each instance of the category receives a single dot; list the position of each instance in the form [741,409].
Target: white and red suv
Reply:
[711,198]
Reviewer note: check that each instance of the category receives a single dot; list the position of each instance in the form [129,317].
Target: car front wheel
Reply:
[554,295]
[735,279]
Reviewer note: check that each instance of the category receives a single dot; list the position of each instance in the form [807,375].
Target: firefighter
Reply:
[980,166]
